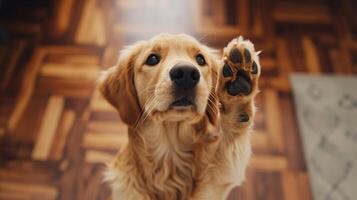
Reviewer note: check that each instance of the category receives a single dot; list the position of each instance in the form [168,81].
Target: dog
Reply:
[189,113]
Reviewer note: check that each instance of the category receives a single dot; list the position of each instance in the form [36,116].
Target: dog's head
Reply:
[168,78]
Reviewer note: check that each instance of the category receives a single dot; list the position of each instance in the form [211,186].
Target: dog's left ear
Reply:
[212,107]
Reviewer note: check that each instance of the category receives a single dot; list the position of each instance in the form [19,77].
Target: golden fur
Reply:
[194,153]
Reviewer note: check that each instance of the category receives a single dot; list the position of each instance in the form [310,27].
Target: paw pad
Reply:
[235,56]
[238,86]
[254,68]
[247,55]
[243,117]
[240,70]
[227,71]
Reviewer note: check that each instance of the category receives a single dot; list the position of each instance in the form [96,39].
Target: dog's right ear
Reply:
[118,88]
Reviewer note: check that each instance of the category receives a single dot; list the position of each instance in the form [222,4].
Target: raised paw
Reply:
[240,70]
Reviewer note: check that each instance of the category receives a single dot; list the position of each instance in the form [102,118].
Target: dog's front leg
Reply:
[225,161]
[238,85]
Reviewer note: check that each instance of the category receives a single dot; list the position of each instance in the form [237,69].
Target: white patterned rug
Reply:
[327,115]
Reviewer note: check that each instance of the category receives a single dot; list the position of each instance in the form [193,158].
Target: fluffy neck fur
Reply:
[161,155]
[162,161]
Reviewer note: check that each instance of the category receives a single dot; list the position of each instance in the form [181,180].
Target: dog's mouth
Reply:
[182,103]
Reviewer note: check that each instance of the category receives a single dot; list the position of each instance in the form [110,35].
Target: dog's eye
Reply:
[152,60]
[200,59]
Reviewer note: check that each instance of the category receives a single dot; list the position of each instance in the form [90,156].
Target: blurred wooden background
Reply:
[56,131]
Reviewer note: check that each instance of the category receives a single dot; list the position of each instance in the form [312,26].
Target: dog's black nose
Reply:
[185,76]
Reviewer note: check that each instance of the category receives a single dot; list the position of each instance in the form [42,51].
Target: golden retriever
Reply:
[189,113]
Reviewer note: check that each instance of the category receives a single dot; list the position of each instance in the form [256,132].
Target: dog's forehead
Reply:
[174,42]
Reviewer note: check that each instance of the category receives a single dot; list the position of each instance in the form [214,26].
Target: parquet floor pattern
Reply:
[56,131]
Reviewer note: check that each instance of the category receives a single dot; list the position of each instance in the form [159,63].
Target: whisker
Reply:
[213,97]
[153,105]
[142,113]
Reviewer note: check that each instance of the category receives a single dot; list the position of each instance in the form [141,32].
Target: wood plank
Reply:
[91,28]
[302,13]
[47,130]
[70,71]
[269,163]
[62,135]
[14,190]
[105,141]
[274,120]
[107,126]
[94,156]
[311,57]
[11,65]
[27,88]
[62,17]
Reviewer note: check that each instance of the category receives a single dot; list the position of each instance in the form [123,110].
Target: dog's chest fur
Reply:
[165,157]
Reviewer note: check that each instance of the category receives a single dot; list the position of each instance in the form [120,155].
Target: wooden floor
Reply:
[56,131]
